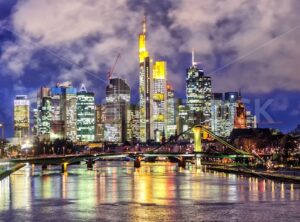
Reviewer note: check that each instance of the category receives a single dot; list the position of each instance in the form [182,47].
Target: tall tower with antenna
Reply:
[199,95]
[144,85]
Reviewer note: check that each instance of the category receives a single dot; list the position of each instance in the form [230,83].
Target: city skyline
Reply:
[23,81]
[142,110]
[64,112]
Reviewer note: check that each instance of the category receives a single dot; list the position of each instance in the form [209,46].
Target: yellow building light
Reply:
[159,70]
[143,53]
[158,96]
[158,118]
[197,139]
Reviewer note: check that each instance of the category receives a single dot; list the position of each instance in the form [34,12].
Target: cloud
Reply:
[239,42]
[295,111]
[86,35]
[243,34]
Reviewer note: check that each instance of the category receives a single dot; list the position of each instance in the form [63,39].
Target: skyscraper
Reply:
[116,111]
[219,114]
[43,114]
[171,120]
[182,117]
[223,112]
[21,116]
[56,112]
[69,100]
[198,90]
[231,99]
[85,115]
[133,130]
[144,87]
[100,122]
[57,124]
[251,120]
[159,99]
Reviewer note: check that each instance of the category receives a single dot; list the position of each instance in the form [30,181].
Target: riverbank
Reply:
[6,173]
[254,173]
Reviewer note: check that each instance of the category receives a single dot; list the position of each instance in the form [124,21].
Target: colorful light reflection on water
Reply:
[116,191]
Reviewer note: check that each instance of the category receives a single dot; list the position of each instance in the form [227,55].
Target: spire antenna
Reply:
[83,88]
[193,57]
[144,25]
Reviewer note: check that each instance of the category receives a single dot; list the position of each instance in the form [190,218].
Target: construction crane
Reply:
[110,73]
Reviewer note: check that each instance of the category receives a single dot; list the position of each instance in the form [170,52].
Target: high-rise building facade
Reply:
[251,120]
[159,96]
[21,117]
[57,123]
[182,117]
[219,114]
[100,122]
[171,119]
[69,108]
[223,112]
[231,99]
[144,87]
[199,93]
[55,116]
[133,131]
[85,115]
[116,111]
[44,108]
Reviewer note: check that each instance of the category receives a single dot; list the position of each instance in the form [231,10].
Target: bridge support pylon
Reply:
[198,161]
[64,167]
[181,162]
[137,162]
[197,145]
[44,166]
[197,139]
[89,164]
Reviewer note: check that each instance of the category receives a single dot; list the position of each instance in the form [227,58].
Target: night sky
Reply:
[252,46]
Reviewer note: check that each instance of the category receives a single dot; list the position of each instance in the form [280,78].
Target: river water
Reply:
[115,191]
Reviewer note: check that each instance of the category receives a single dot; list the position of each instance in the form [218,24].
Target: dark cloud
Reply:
[252,45]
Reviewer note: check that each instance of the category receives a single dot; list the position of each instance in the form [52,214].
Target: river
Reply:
[115,191]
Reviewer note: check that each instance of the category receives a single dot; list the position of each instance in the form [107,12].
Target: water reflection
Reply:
[84,194]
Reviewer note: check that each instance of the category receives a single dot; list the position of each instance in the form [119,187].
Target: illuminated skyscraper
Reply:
[68,112]
[231,99]
[219,114]
[100,122]
[85,115]
[55,116]
[21,116]
[57,124]
[144,87]
[44,112]
[116,111]
[133,130]
[223,112]
[171,120]
[182,117]
[198,90]
[251,120]
[159,99]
